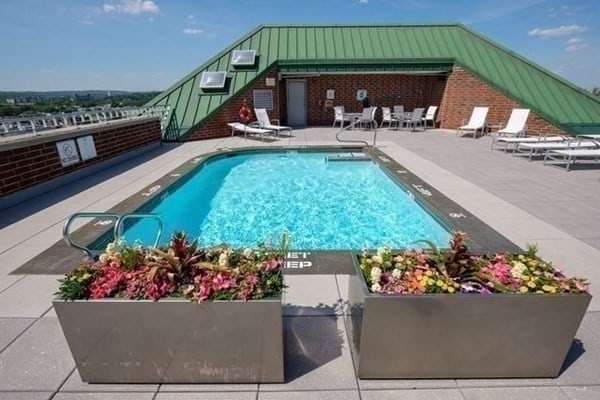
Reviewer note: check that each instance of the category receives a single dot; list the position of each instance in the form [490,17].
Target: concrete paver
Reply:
[505,191]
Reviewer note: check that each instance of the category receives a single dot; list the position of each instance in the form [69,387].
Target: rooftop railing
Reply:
[47,122]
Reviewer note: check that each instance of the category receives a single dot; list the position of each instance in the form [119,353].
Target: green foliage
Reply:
[74,285]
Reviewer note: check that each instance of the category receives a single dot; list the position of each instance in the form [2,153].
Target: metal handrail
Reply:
[67,229]
[352,124]
[40,123]
[118,231]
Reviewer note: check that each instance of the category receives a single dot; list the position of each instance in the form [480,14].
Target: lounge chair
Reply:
[239,127]
[429,116]
[476,123]
[516,124]
[265,123]
[539,148]
[571,156]
[340,116]
[388,118]
[416,118]
[503,141]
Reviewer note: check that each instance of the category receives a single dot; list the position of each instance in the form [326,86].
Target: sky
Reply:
[143,45]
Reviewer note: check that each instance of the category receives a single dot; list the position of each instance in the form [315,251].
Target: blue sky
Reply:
[150,44]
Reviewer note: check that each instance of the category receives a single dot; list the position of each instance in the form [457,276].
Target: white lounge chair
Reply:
[539,148]
[238,126]
[265,123]
[388,118]
[416,118]
[340,116]
[504,141]
[429,116]
[476,123]
[516,125]
[569,157]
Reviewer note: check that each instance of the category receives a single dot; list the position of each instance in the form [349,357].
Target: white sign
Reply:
[330,94]
[67,152]
[87,149]
[361,94]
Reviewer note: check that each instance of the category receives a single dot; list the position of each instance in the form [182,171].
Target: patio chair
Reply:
[570,156]
[239,127]
[387,117]
[265,123]
[516,124]
[416,118]
[503,141]
[340,116]
[368,117]
[540,148]
[429,116]
[476,123]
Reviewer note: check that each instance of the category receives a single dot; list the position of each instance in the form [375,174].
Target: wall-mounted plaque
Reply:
[67,152]
[87,149]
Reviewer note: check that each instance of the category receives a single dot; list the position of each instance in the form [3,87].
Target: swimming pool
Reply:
[245,198]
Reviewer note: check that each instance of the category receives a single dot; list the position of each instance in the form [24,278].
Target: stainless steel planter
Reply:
[174,341]
[461,335]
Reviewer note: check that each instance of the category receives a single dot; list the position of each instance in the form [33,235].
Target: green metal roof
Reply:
[387,48]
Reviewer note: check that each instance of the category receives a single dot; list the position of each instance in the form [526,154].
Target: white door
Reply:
[296,102]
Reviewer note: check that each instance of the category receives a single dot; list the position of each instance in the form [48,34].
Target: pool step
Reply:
[348,157]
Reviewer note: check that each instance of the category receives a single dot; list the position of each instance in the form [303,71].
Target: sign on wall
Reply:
[87,149]
[330,94]
[361,94]
[67,152]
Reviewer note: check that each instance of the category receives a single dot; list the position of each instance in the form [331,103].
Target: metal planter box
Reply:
[174,341]
[461,335]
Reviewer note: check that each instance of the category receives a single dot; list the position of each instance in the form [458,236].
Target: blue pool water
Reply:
[248,198]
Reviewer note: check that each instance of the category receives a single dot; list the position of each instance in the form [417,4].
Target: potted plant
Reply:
[180,314]
[452,314]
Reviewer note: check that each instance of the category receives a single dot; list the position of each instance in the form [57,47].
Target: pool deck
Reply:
[525,201]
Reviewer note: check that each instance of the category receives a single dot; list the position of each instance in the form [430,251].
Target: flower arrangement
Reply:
[182,270]
[455,270]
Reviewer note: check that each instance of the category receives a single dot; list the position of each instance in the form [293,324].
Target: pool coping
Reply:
[60,258]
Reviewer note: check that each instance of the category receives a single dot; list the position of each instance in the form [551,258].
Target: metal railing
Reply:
[352,125]
[117,230]
[41,123]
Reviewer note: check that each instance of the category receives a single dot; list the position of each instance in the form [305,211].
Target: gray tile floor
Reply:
[526,202]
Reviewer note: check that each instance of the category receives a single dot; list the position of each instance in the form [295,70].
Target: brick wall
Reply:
[384,90]
[456,95]
[29,162]
[465,91]
[216,125]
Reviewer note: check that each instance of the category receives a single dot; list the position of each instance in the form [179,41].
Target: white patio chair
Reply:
[388,118]
[429,116]
[368,117]
[416,118]
[265,123]
[239,127]
[340,116]
[540,148]
[504,141]
[516,124]
[570,156]
[476,123]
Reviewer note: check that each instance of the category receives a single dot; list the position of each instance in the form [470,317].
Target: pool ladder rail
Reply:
[117,230]
[351,126]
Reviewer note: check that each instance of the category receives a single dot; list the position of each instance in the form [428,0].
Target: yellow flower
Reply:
[450,289]
[525,278]
[439,282]
[428,273]
[444,286]
[548,288]
[523,289]
[539,291]
[531,284]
